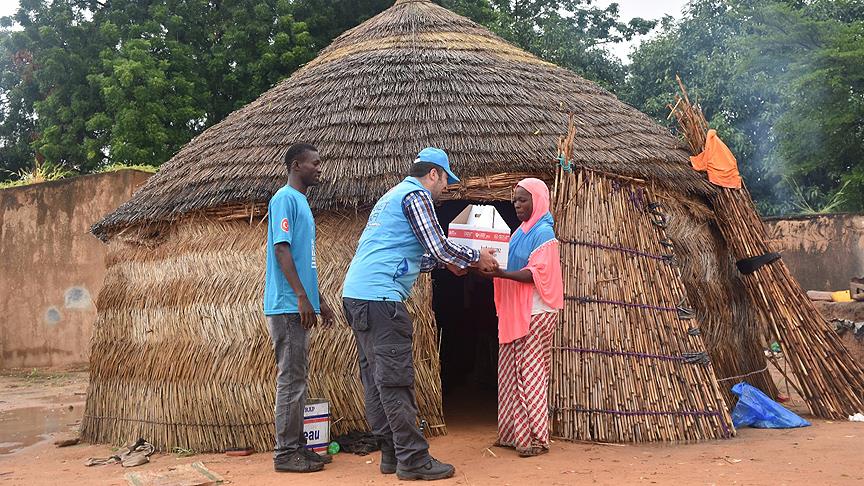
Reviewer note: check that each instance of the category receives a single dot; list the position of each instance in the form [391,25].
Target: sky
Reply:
[647,9]
[8,7]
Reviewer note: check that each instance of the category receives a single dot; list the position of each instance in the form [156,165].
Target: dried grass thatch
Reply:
[415,75]
[181,354]
[729,325]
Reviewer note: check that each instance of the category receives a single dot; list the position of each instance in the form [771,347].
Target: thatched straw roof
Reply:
[414,75]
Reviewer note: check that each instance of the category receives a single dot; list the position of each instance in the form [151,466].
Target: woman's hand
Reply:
[496,272]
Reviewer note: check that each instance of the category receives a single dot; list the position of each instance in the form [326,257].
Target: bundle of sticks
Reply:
[825,374]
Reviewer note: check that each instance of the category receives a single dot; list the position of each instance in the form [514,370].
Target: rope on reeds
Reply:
[176,424]
[649,413]
[660,413]
[663,357]
[630,251]
[746,375]
[592,300]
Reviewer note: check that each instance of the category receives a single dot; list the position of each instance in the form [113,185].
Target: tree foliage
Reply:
[782,83]
[87,84]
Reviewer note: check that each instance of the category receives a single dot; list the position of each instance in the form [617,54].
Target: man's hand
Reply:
[487,262]
[459,272]
[308,319]
[327,316]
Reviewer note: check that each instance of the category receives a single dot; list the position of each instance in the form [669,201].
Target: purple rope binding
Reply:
[630,413]
[586,300]
[622,249]
[663,357]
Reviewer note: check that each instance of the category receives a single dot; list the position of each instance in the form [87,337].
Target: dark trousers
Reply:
[384,335]
[290,344]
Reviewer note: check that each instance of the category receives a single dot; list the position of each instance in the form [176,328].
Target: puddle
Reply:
[24,427]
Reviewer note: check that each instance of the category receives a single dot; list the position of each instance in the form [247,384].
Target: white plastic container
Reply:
[316,425]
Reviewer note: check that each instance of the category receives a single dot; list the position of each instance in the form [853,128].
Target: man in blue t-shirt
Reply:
[292,304]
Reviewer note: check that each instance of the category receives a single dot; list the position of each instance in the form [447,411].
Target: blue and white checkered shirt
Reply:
[420,211]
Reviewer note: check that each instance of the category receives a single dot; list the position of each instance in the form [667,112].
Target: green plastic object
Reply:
[333,448]
[775,347]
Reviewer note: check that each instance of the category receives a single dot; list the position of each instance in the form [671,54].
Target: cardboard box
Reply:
[316,425]
[480,226]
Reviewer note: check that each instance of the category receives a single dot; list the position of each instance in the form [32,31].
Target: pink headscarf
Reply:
[539,200]
[514,300]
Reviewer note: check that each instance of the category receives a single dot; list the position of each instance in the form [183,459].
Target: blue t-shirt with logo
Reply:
[290,220]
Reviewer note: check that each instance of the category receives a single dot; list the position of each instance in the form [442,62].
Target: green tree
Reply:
[17,119]
[88,83]
[50,98]
[177,67]
[743,106]
[815,51]
[570,33]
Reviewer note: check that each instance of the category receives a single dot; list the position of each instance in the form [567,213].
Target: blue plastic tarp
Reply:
[756,409]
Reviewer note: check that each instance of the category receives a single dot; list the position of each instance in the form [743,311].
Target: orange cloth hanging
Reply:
[718,160]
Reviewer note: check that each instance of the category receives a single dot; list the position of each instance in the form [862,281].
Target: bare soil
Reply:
[825,453]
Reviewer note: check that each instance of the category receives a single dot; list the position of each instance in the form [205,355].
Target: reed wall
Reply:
[181,353]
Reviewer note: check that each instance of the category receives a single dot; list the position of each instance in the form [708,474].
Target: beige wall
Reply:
[823,252]
[51,267]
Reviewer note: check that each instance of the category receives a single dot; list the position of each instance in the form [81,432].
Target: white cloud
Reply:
[8,7]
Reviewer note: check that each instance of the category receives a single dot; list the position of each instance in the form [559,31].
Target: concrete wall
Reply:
[823,252]
[51,267]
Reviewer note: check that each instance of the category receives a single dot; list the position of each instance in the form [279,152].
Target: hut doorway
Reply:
[468,329]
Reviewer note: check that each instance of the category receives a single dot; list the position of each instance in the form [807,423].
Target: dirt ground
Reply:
[38,408]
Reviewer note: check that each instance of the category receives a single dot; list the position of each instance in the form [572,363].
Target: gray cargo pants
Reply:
[384,335]
[290,344]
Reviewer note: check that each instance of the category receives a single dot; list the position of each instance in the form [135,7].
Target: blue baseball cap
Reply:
[438,157]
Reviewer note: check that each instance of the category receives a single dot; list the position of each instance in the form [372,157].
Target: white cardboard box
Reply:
[316,425]
[480,226]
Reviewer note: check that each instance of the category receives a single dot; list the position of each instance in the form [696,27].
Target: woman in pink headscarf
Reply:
[528,295]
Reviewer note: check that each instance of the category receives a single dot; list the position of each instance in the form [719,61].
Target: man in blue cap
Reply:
[402,238]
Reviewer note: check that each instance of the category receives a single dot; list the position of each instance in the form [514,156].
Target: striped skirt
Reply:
[523,379]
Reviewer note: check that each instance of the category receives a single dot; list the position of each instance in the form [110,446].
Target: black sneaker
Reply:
[388,459]
[432,470]
[315,457]
[297,462]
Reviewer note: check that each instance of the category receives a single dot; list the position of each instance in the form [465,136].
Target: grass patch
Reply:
[36,376]
[183,452]
[142,167]
[45,172]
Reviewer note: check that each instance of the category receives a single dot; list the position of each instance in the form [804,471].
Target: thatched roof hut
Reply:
[415,74]
[181,353]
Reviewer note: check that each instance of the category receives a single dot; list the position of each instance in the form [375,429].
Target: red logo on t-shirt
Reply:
[284,224]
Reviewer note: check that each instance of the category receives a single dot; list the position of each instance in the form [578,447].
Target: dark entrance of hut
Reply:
[465,314]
